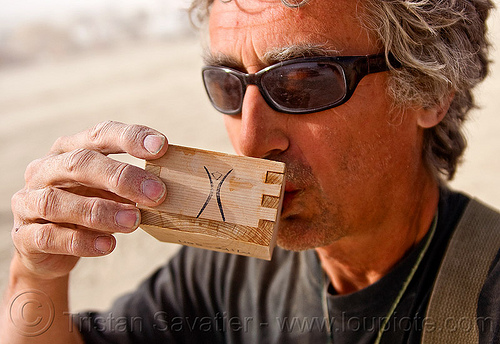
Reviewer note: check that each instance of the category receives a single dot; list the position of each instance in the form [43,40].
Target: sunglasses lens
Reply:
[305,87]
[224,90]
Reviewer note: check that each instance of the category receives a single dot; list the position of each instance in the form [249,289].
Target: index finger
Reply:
[114,137]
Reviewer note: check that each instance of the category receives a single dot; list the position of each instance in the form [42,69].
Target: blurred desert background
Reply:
[66,65]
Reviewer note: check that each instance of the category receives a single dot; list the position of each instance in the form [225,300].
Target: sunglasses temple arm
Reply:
[382,63]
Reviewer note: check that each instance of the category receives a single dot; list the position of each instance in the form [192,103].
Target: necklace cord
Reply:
[402,291]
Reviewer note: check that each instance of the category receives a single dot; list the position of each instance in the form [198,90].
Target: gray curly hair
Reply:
[443,50]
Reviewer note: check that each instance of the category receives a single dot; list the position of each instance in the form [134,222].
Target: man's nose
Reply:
[262,131]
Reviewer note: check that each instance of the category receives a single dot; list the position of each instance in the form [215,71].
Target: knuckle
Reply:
[93,212]
[133,133]
[75,160]
[16,199]
[15,233]
[58,143]
[98,131]
[119,172]
[18,241]
[73,245]
[31,170]
[44,238]
[19,204]
[47,202]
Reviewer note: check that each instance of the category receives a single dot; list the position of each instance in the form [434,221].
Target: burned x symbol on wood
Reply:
[216,175]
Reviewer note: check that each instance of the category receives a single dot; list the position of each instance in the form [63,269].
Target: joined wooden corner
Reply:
[217,201]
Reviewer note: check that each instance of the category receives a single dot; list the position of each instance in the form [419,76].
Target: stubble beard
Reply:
[297,234]
[311,219]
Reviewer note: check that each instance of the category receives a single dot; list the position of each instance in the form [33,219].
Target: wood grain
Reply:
[217,201]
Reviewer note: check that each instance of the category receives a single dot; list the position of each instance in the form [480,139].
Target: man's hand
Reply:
[74,199]
[77,196]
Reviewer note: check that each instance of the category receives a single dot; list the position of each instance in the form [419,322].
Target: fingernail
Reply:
[154,143]
[103,244]
[153,189]
[127,218]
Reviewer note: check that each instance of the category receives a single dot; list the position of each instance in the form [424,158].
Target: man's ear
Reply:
[428,118]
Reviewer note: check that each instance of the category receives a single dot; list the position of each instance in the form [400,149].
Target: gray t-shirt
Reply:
[202,296]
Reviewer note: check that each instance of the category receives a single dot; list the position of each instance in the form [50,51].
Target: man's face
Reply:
[349,167]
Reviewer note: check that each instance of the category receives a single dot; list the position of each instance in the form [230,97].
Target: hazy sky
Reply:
[16,10]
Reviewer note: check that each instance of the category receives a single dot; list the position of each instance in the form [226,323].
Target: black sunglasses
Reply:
[297,86]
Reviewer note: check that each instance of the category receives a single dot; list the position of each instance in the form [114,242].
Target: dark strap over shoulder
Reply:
[451,313]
